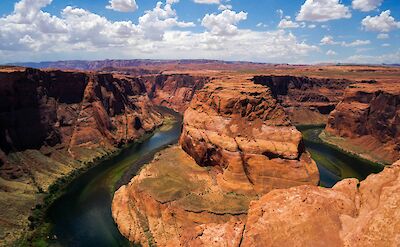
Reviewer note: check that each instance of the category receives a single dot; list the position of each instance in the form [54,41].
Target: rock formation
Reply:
[240,132]
[306,100]
[173,91]
[349,214]
[367,122]
[239,144]
[54,122]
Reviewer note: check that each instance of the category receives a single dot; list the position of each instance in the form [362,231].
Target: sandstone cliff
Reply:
[367,122]
[240,132]
[239,144]
[349,214]
[306,100]
[54,122]
[173,91]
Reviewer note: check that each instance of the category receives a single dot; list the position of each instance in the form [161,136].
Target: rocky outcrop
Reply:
[306,100]
[237,143]
[240,132]
[367,122]
[54,122]
[175,202]
[349,214]
[173,91]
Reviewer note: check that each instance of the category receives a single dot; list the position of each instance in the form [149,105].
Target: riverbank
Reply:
[335,164]
[40,228]
[79,213]
[357,149]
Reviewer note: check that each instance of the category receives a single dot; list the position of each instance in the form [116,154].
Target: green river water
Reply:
[82,216]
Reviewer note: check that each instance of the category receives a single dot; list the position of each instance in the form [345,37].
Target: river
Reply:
[82,216]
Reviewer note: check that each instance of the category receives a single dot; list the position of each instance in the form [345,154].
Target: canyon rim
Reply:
[199,123]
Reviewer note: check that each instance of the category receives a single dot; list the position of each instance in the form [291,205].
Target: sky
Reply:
[272,31]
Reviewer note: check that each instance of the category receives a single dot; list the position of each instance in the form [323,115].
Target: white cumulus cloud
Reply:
[31,33]
[223,23]
[331,53]
[156,21]
[381,23]
[366,5]
[208,1]
[123,5]
[382,36]
[329,40]
[323,10]
[288,23]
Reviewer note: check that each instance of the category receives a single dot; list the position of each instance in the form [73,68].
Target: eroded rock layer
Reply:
[175,202]
[237,143]
[240,132]
[349,214]
[306,100]
[367,122]
[54,122]
[173,91]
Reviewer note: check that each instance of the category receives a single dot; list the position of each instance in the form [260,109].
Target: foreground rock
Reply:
[349,214]
[53,123]
[175,202]
[367,122]
[239,144]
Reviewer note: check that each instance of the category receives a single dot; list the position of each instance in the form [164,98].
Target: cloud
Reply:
[207,1]
[244,45]
[331,53]
[357,42]
[280,13]
[323,10]
[123,5]
[261,24]
[288,23]
[223,7]
[329,40]
[389,58]
[155,22]
[381,23]
[30,33]
[366,5]
[223,23]
[382,36]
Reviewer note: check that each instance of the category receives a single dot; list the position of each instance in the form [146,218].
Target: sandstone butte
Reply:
[56,122]
[236,145]
[367,122]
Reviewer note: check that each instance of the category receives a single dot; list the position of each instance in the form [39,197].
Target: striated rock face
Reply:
[173,91]
[306,100]
[349,214]
[237,143]
[243,135]
[54,122]
[175,202]
[368,119]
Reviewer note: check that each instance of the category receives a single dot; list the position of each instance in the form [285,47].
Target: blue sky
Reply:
[295,31]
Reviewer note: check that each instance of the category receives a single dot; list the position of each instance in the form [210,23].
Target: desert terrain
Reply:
[239,154]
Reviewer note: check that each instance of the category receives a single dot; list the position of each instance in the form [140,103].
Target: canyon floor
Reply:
[240,168]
